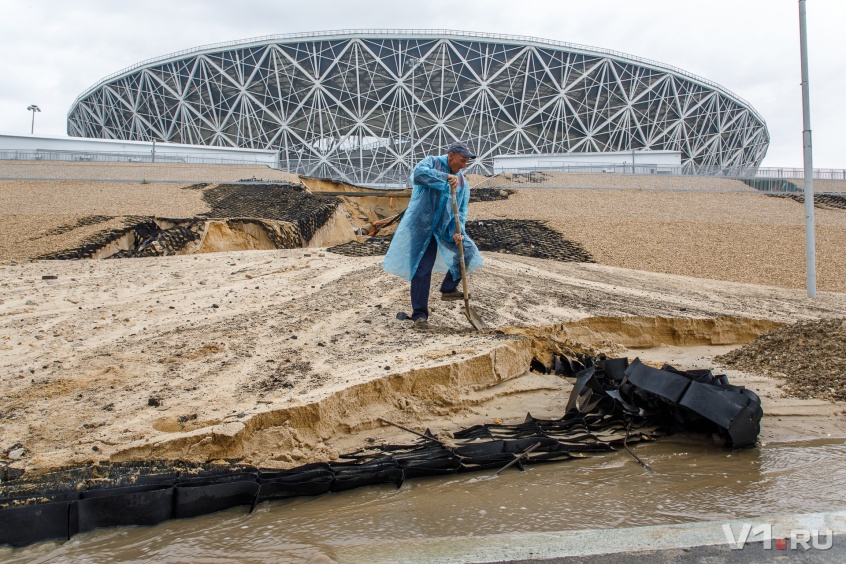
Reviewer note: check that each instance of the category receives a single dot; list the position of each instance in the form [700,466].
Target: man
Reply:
[426,239]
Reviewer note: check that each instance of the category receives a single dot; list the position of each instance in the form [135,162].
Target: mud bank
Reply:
[437,393]
[282,357]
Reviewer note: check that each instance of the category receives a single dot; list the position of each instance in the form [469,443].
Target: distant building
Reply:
[366,105]
[56,148]
[634,162]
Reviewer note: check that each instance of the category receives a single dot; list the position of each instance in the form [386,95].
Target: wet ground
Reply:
[205,337]
[692,481]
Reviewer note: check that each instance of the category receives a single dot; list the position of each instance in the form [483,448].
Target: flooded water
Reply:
[691,481]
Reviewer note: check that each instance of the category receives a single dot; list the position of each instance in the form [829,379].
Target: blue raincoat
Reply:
[430,213]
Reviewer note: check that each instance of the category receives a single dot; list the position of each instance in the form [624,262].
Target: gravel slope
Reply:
[738,237]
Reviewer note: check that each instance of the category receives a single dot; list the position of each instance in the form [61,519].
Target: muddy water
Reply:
[692,481]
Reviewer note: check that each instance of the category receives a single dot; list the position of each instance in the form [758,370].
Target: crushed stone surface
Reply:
[809,355]
[744,237]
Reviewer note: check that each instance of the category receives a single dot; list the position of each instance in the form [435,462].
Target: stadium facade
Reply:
[366,105]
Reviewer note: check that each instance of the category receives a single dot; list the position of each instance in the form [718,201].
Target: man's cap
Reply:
[461,149]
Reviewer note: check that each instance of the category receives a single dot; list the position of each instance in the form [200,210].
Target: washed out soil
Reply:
[287,213]
[809,355]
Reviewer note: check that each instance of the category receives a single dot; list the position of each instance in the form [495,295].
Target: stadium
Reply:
[364,106]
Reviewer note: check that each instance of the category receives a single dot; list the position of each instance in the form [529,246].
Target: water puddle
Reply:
[693,481]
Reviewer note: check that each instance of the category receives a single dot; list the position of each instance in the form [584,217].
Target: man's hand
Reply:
[457,237]
[453,181]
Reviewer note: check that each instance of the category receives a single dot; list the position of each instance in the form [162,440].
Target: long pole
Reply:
[810,244]
[32,129]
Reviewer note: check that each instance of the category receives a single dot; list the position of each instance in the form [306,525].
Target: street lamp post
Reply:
[33,108]
[810,237]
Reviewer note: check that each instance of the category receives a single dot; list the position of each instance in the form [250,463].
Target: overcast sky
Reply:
[52,50]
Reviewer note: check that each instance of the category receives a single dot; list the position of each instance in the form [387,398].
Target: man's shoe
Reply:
[453,296]
[421,324]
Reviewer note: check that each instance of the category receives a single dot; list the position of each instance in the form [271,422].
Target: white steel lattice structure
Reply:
[367,105]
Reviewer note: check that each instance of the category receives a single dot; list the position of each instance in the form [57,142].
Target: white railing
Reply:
[687,170]
[799,173]
[141,157]
[654,177]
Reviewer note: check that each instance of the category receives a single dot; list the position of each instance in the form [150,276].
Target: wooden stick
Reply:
[398,426]
[513,462]
[636,457]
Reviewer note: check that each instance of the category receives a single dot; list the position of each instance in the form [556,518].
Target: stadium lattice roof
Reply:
[366,105]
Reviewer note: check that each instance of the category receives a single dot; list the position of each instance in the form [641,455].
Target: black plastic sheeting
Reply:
[613,403]
[692,400]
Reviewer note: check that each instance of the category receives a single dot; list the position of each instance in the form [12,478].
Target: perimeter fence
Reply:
[207,171]
[151,156]
[769,180]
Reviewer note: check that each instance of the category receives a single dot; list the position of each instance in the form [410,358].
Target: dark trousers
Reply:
[422,281]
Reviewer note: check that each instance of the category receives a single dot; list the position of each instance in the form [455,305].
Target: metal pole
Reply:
[153,159]
[33,108]
[810,245]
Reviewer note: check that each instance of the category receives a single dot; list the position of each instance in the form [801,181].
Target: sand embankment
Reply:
[280,357]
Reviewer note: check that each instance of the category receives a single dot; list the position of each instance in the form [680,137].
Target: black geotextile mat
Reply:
[372,246]
[516,237]
[526,238]
[284,202]
[296,214]
[144,237]
[612,403]
[795,193]
[81,222]
[821,201]
[771,184]
[489,194]
[92,245]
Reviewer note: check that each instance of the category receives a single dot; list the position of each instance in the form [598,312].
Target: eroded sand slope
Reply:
[281,357]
